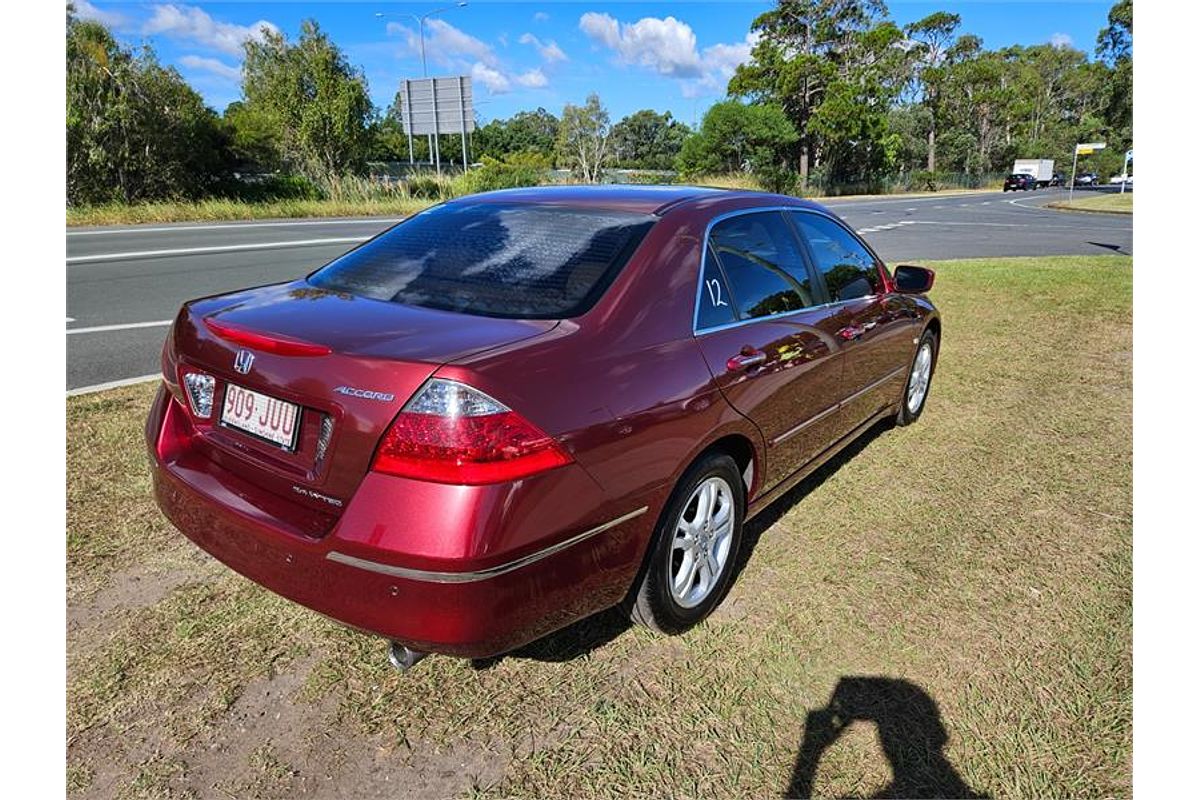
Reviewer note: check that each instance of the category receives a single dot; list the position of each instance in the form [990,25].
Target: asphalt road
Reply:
[124,285]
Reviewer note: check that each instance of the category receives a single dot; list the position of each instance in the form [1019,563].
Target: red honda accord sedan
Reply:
[517,409]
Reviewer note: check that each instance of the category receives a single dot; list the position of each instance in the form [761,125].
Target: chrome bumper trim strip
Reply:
[430,576]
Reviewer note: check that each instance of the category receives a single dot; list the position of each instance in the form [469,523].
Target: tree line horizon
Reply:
[834,93]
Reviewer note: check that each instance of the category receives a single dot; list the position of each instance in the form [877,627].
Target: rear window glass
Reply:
[497,260]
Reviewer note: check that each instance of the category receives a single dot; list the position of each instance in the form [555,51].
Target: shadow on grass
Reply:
[910,732]
[586,635]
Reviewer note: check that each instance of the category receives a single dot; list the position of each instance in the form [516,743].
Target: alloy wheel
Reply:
[700,549]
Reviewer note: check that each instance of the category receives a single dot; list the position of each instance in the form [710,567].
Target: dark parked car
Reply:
[1020,181]
[1087,179]
[516,409]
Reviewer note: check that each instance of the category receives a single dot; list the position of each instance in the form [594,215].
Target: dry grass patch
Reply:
[1114,203]
[978,563]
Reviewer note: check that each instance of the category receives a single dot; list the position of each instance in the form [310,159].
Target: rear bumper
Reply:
[380,570]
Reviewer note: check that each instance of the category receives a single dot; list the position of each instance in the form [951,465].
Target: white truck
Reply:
[1042,169]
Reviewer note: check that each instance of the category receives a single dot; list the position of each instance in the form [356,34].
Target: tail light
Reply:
[451,433]
[199,388]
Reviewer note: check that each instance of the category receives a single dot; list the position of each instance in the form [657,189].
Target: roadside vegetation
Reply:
[978,562]
[1112,203]
[885,108]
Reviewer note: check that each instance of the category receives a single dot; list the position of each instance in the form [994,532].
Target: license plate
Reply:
[261,415]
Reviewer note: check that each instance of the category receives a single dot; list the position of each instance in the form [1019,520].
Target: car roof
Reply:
[636,198]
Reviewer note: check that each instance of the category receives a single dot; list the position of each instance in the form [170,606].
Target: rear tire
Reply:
[920,376]
[692,555]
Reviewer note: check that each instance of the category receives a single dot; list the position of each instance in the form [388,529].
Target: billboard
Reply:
[437,105]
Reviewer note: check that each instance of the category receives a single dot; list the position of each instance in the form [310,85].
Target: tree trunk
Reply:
[931,163]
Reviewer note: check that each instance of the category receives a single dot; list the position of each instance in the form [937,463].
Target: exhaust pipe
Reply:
[403,657]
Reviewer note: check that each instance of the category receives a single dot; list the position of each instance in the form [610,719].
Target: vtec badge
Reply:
[365,394]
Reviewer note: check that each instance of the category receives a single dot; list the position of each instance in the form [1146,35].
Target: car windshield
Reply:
[492,259]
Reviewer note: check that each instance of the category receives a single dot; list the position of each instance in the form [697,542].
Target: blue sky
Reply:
[667,56]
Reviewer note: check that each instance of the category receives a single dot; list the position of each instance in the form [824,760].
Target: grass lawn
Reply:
[960,588]
[1113,203]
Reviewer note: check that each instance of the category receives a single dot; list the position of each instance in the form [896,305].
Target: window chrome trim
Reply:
[698,331]
[431,576]
[820,415]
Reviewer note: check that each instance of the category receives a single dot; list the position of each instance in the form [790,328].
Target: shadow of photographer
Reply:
[910,732]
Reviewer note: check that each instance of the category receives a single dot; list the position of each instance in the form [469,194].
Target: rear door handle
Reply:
[746,359]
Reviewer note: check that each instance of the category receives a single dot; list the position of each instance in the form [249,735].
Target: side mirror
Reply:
[913,280]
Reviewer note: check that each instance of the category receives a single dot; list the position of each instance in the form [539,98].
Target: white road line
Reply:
[70,319]
[162,323]
[185,228]
[99,387]
[226,248]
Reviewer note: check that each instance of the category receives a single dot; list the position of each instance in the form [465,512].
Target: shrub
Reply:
[515,171]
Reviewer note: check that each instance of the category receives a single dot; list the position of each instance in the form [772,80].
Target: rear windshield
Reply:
[496,260]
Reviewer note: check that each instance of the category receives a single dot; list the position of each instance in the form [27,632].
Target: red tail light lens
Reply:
[451,433]
[266,342]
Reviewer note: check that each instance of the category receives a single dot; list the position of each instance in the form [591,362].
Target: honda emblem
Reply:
[243,361]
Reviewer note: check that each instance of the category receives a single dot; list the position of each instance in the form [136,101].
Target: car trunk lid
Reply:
[347,363]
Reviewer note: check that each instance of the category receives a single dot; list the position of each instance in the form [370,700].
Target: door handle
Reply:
[749,357]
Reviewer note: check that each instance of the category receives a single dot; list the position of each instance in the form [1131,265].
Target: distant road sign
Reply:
[1089,148]
[437,105]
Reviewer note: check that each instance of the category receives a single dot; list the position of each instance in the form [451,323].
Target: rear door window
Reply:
[763,263]
[849,268]
[492,259]
[716,304]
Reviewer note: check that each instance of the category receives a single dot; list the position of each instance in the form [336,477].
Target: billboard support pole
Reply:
[408,126]
[462,122]
[437,147]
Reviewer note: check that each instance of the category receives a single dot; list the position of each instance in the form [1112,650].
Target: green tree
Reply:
[584,135]
[253,140]
[648,140]
[524,132]
[734,137]
[1114,47]
[314,101]
[135,130]
[931,37]
[803,47]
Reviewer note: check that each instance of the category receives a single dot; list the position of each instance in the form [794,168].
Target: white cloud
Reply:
[457,50]
[85,10]
[445,44]
[720,62]
[668,46]
[212,66]
[194,24]
[533,79]
[548,50]
[541,16]
[1061,40]
[495,80]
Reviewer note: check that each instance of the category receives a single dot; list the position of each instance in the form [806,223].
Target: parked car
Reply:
[1117,180]
[1019,180]
[1087,179]
[516,409]
[1058,180]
